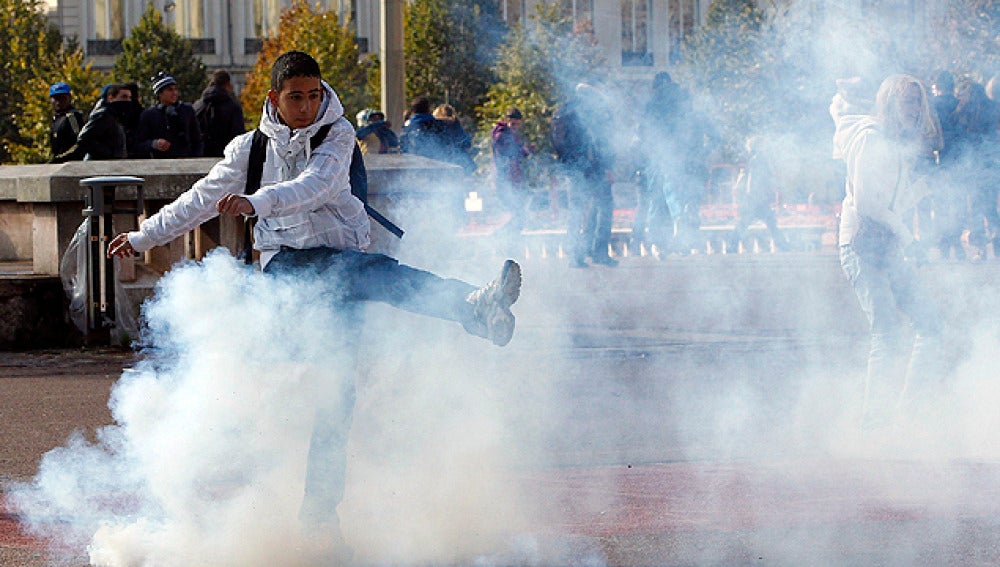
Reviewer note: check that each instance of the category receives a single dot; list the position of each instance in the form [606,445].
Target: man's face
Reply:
[123,94]
[169,95]
[515,123]
[60,102]
[298,100]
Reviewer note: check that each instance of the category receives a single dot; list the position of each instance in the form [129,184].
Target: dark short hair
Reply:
[220,78]
[945,81]
[293,64]
[420,105]
[374,113]
[113,90]
[514,114]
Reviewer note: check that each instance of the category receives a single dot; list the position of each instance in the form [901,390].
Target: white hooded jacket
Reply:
[304,200]
[880,184]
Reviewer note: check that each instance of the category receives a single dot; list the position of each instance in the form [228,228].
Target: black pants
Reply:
[351,277]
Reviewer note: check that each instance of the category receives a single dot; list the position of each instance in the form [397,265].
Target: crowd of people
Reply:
[670,156]
[120,127]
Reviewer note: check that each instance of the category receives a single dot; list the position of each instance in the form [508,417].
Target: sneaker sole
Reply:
[510,283]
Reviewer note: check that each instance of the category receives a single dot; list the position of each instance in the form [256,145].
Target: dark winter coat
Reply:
[66,127]
[508,154]
[456,144]
[422,136]
[175,123]
[577,142]
[102,137]
[220,119]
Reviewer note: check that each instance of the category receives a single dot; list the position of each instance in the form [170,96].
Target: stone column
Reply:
[393,65]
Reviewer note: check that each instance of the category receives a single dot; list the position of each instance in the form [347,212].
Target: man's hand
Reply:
[120,247]
[234,205]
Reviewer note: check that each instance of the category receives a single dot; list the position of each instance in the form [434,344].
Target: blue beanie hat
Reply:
[59,88]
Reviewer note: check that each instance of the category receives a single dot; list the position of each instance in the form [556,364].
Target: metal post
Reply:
[100,198]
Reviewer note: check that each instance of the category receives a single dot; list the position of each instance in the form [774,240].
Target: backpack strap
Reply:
[73,122]
[255,170]
[358,178]
[359,181]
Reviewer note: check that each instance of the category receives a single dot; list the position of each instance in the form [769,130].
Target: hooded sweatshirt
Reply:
[880,182]
[305,198]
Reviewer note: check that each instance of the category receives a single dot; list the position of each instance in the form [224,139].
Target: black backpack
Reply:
[358,178]
[205,115]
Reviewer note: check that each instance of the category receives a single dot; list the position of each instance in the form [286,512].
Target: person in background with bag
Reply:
[219,114]
[882,152]
[66,120]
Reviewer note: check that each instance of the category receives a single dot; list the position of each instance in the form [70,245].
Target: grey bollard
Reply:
[101,194]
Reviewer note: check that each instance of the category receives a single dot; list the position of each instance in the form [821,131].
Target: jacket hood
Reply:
[330,110]
[850,130]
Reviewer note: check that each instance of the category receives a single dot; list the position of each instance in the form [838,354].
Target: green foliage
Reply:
[538,64]
[319,33]
[726,61]
[35,118]
[29,55]
[449,47]
[966,41]
[151,47]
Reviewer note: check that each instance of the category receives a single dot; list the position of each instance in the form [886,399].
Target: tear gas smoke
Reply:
[206,460]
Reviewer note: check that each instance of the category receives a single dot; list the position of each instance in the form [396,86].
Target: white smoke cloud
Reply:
[206,460]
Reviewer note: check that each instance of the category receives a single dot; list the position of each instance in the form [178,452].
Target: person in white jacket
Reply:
[308,222]
[881,152]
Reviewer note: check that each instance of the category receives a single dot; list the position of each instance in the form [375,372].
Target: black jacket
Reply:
[102,137]
[66,127]
[176,124]
[220,119]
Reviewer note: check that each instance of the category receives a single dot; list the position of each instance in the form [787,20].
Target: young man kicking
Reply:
[309,223]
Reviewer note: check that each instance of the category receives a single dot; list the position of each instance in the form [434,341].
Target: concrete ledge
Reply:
[41,205]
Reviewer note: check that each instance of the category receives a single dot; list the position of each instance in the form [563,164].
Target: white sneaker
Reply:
[492,318]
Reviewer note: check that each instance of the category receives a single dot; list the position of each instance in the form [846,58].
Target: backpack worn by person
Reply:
[205,115]
[358,178]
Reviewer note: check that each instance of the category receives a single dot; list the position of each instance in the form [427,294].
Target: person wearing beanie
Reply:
[103,136]
[169,128]
[66,120]
[376,135]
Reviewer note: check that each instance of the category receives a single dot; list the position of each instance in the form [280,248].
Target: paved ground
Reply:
[652,464]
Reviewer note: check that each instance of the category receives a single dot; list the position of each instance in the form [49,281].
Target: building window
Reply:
[266,16]
[347,13]
[582,11]
[189,18]
[683,15]
[635,33]
[109,19]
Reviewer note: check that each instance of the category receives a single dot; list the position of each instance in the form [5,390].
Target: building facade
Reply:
[637,36]
[224,33]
